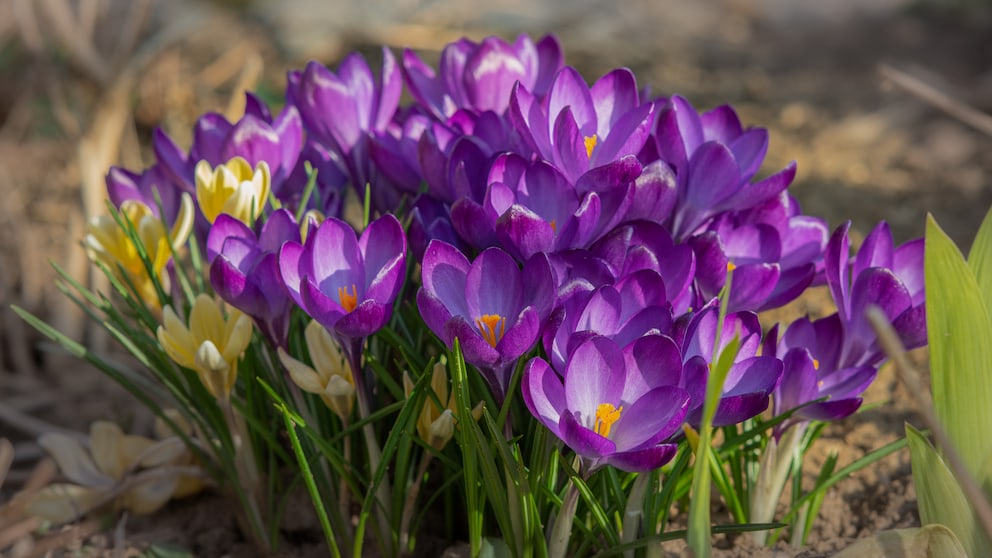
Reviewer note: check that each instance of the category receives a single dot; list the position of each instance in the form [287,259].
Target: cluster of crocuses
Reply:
[588,229]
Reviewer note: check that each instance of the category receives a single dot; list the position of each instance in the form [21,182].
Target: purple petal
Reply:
[519,336]
[652,361]
[290,259]
[653,417]
[875,251]
[477,351]
[595,374]
[524,232]
[325,309]
[223,228]
[613,95]
[366,319]
[493,285]
[337,258]
[643,460]
[627,137]
[569,91]
[543,393]
[836,261]
[584,441]
[444,275]
[383,246]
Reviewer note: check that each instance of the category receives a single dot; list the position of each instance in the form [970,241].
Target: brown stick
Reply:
[930,94]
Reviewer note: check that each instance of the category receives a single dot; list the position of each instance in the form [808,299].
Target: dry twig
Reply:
[929,94]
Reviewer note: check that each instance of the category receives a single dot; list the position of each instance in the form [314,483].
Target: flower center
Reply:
[487,325]
[606,415]
[590,142]
[348,301]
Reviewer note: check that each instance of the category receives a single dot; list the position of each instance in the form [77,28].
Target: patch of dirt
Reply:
[809,74]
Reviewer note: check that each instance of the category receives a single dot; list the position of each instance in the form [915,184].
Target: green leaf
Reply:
[940,497]
[960,334]
[980,258]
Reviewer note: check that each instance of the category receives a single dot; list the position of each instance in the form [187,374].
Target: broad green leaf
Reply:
[940,497]
[980,258]
[960,335]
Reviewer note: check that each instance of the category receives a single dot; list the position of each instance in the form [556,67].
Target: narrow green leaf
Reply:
[315,496]
[960,334]
[940,497]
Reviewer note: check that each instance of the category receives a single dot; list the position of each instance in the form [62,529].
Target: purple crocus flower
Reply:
[578,128]
[256,137]
[748,386]
[810,351]
[648,245]
[611,405]
[890,278]
[480,76]
[490,305]
[347,283]
[714,160]
[244,270]
[343,109]
[633,307]
[775,252]
[123,185]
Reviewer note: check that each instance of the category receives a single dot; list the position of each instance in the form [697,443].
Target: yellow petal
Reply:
[183,226]
[339,396]
[441,430]
[325,352]
[302,375]
[74,460]
[105,446]
[238,337]
[205,320]
[439,383]
[151,495]
[215,372]
[61,503]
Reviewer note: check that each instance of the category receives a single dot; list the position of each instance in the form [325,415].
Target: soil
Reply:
[79,97]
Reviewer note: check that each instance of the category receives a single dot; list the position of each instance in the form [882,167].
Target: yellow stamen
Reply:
[731,266]
[554,225]
[590,142]
[816,364]
[487,327]
[606,415]
[348,301]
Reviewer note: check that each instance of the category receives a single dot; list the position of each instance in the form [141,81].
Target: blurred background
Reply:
[883,103]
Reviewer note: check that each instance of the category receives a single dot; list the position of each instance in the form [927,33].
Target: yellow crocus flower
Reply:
[210,345]
[330,376]
[233,188]
[107,242]
[435,425]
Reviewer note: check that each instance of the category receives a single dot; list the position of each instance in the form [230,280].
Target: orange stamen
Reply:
[348,301]
[590,142]
[554,225]
[487,325]
[731,266]
[606,415]
[816,364]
